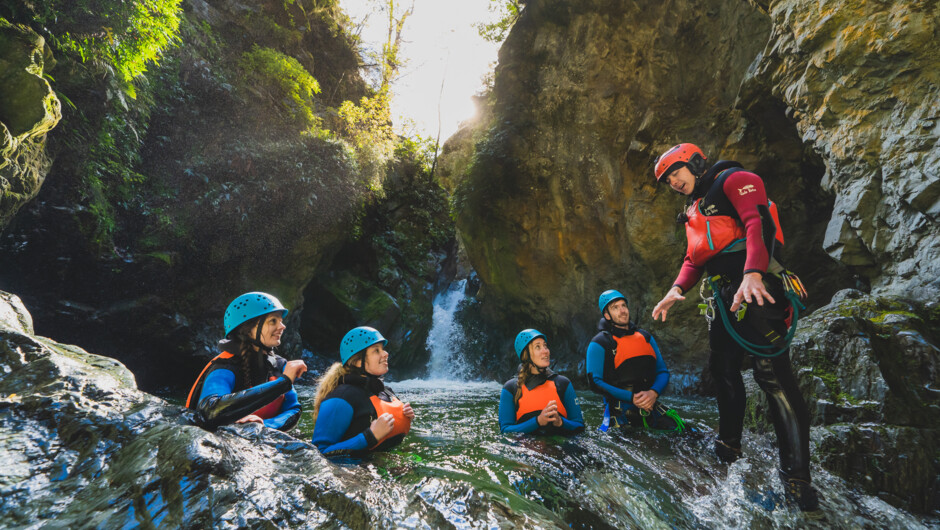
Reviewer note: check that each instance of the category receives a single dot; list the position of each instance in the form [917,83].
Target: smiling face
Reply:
[539,353]
[682,180]
[618,313]
[376,360]
[272,327]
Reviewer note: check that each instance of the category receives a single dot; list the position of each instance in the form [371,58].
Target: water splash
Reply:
[446,340]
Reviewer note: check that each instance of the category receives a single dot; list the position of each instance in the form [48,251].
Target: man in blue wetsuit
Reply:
[625,367]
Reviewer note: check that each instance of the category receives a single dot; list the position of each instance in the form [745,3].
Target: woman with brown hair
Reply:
[353,411]
[537,399]
[248,382]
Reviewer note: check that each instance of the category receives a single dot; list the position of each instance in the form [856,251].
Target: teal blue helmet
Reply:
[607,297]
[249,306]
[357,340]
[524,338]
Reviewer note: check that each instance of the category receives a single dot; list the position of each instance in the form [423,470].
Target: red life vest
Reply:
[397,409]
[709,235]
[270,410]
[537,399]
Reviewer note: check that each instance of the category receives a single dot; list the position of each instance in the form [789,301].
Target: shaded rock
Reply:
[869,368]
[28,110]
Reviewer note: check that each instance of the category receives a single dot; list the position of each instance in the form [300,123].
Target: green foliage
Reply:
[507,12]
[285,81]
[121,37]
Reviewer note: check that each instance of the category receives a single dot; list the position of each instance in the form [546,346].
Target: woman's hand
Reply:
[294,369]
[251,418]
[645,399]
[549,414]
[382,425]
[752,288]
[408,411]
[674,295]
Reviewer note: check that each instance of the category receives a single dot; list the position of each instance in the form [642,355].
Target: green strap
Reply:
[750,346]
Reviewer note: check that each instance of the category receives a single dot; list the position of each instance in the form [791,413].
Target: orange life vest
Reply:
[270,410]
[537,399]
[709,235]
[630,346]
[397,409]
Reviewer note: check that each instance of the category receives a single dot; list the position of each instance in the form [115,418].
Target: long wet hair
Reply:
[244,337]
[524,373]
[332,379]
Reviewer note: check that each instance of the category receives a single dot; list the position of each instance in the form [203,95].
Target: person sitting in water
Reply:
[625,367]
[353,411]
[248,382]
[538,400]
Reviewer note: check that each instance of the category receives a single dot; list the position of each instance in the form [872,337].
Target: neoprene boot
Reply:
[726,452]
[800,493]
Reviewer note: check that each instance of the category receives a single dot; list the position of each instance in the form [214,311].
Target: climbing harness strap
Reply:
[664,411]
[793,289]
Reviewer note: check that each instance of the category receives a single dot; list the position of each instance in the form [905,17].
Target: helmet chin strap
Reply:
[257,340]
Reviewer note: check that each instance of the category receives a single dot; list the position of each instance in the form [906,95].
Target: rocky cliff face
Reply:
[861,83]
[28,110]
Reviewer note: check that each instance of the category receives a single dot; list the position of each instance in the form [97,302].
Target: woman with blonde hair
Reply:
[353,411]
[538,400]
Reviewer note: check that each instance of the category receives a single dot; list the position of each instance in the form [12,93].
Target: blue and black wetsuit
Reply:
[222,395]
[538,390]
[621,362]
[347,412]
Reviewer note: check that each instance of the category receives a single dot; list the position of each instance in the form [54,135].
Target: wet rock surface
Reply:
[869,367]
[81,447]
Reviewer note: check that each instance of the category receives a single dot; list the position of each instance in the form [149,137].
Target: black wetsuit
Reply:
[222,395]
[774,375]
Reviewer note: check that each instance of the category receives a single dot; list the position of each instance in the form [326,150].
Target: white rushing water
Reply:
[446,339]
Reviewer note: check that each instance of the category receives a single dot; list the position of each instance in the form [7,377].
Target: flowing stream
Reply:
[465,474]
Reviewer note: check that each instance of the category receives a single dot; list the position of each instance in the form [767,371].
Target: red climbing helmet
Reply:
[682,154]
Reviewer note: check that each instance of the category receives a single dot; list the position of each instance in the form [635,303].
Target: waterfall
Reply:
[446,339]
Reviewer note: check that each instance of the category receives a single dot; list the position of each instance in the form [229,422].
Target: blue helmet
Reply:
[524,338]
[607,297]
[357,340]
[249,306]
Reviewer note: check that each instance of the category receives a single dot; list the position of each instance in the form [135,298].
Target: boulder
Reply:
[28,110]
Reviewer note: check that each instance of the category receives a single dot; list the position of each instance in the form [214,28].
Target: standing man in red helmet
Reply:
[733,233]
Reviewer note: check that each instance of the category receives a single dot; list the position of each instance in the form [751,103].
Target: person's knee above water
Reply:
[734,237]
[248,382]
[625,366]
[353,411]
[538,400]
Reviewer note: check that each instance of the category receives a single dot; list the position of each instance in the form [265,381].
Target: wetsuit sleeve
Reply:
[688,276]
[575,421]
[218,405]
[507,416]
[595,369]
[332,423]
[289,414]
[746,192]
[662,373]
